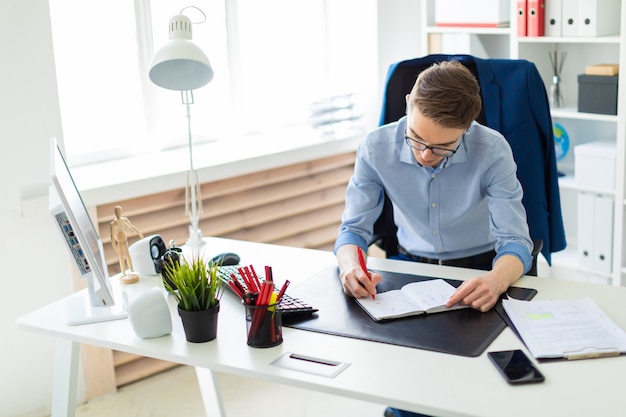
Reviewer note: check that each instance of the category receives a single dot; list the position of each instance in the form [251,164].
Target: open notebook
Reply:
[465,332]
[412,299]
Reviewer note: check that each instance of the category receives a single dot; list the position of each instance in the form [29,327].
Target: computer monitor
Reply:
[85,247]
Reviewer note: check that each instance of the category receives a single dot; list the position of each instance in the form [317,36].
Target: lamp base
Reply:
[195,237]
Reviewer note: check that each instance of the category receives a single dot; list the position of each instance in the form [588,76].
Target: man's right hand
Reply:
[355,281]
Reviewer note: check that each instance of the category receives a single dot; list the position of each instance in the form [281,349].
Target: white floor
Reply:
[176,393]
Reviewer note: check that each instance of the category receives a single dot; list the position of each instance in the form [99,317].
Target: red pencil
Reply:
[234,287]
[255,276]
[282,291]
[363,266]
[246,270]
[235,281]
[249,283]
[265,293]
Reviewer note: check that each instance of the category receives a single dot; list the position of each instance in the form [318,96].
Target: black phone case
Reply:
[515,367]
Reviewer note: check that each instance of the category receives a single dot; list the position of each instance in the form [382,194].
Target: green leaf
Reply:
[198,286]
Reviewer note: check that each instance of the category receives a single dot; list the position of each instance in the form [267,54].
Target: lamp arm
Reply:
[187,99]
[193,197]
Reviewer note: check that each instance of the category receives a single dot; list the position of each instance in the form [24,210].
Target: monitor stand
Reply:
[81,311]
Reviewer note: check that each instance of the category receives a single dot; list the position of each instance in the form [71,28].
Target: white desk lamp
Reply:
[182,66]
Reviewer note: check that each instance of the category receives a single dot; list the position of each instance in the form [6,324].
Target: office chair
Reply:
[515,104]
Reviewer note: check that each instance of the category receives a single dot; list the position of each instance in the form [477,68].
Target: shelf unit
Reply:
[581,127]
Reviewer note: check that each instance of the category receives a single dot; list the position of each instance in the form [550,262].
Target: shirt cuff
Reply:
[350,238]
[519,251]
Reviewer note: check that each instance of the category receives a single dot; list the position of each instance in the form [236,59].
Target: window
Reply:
[280,66]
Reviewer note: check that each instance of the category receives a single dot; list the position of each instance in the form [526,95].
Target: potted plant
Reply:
[197,287]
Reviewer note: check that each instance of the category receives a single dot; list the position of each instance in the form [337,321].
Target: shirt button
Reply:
[433,205]
[432,176]
[434,232]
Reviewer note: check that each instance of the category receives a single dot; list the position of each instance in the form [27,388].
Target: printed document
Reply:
[569,329]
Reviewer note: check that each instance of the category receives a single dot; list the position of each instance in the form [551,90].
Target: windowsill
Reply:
[122,179]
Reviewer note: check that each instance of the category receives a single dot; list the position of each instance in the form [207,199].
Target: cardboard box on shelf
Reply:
[602,69]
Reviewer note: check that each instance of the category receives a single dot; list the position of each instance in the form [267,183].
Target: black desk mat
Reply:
[465,332]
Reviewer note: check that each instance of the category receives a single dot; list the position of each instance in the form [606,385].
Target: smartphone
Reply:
[515,367]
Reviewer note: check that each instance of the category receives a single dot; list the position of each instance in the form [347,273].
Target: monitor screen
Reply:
[83,242]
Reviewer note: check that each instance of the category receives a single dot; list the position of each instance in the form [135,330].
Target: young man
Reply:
[453,186]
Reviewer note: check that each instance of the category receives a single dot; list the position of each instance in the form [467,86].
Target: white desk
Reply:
[412,379]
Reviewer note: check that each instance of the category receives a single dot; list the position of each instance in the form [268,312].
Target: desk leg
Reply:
[210,390]
[65,378]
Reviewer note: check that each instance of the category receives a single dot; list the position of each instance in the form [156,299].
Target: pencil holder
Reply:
[263,326]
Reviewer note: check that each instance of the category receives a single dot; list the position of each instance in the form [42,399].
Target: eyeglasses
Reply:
[436,150]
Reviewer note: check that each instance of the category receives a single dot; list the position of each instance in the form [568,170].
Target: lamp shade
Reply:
[180,64]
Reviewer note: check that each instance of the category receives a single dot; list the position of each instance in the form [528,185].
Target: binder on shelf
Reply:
[522,24]
[595,232]
[598,17]
[602,233]
[585,230]
[536,17]
[554,18]
[569,10]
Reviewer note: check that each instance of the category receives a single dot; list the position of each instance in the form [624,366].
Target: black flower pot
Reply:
[200,326]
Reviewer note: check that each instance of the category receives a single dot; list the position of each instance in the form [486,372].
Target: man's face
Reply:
[422,133]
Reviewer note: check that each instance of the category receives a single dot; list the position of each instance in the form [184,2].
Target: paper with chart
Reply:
[575,329]
[419,297]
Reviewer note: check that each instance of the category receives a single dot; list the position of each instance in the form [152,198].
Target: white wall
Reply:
[34,264]
[398,33]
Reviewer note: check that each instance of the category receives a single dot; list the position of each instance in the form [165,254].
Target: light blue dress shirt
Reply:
[471,203]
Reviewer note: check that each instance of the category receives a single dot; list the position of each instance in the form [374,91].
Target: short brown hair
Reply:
[448,94]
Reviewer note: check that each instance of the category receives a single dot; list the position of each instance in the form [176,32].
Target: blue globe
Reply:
[561,141]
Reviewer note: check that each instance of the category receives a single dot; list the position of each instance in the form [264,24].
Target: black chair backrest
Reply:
[401,83]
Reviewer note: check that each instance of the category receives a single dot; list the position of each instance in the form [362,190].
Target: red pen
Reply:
[363,266]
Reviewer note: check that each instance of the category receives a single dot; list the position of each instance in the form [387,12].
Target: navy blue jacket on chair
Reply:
[515,104]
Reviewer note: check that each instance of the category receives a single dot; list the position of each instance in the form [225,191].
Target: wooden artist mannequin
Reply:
[119,241]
